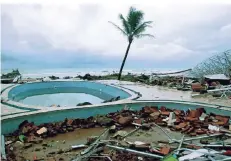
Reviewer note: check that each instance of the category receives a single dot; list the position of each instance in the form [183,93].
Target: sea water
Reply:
[62,72]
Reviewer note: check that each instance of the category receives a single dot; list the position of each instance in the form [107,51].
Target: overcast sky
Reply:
[80,35]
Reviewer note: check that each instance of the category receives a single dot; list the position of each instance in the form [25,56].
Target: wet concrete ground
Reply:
[57,144]
[58,148]
[8,110]
[164,93]
[62,143]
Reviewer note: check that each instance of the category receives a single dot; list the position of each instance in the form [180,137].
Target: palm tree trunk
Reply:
[125,57]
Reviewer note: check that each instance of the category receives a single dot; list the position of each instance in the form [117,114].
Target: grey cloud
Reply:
[183,33]
[9,34]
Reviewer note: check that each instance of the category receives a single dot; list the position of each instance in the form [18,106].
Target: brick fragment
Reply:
[155,115]
[138,121]
[70,122]
[193,134]
[194,113]
[185,129]
[224,119]
[177,112]
[125,120]
[150,110]
[200,131]
[165,113]
[163,108]
[190,130]
[191,118]
[181,126]
[165,150]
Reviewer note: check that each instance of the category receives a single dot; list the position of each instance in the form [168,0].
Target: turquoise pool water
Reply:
[64,93]
[62,99]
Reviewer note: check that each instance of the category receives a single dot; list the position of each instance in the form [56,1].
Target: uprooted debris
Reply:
[84,104]
[201,131]
[112,99]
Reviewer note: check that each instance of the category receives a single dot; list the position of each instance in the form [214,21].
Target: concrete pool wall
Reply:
[100,90]
[10,123]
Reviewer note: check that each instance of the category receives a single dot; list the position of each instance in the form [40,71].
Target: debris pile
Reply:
[84,104]
[112,99]
[192,122]
[203,130]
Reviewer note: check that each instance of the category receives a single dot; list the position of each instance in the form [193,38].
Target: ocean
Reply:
[62,72]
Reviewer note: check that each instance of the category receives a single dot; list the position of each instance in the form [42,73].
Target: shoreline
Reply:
[37,73]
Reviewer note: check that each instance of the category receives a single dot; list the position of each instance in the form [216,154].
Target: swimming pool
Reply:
[11,123]
[64,93]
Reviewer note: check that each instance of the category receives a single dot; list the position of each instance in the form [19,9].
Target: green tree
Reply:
[133,26]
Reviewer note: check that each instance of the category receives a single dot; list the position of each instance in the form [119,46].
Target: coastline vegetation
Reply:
[129,77]
[10,75]
[142,78]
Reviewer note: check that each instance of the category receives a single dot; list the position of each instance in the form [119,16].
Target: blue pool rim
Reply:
[5,93]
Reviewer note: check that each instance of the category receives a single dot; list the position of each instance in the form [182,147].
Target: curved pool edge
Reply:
[11,122]
[143,102]
[134,95]
[3,89]
[15,104]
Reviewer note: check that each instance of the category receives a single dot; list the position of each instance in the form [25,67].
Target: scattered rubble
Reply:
[191,123]
[84,104]
[67,77]
[54,105]
[53,77]
[42,131]
[112,99]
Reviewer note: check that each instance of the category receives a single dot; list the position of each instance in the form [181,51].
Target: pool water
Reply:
[64,93]
[62,99]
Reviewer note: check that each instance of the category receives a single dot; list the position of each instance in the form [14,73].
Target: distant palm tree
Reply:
[133,26]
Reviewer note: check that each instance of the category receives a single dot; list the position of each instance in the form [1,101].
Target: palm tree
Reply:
[133,26]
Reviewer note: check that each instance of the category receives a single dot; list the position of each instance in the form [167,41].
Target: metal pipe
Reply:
[182,140]
[95,143]
[170,138]
[194,138]
[185,143]
[130,133]
[134,151]
[105,141]
[216,145]
[211,145]
[81,157]
[202,137]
